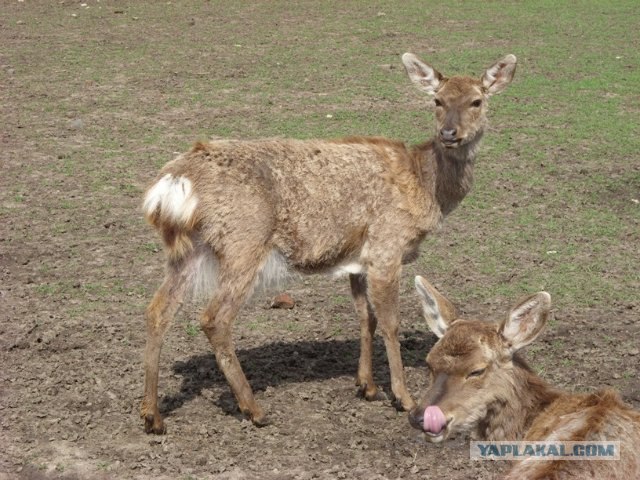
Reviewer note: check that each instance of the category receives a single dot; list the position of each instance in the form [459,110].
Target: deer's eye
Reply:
[476,373]
[476,103]
[438,103]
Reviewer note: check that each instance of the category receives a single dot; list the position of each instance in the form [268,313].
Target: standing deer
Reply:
[238,212]
[480,384]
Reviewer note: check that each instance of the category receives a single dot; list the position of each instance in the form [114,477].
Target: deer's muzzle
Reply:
[431,421]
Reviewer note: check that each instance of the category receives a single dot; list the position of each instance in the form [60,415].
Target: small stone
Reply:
[634,352]
[283,300]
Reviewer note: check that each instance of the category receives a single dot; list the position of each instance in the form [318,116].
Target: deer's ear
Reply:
[427,79]
[438,311]
[499,75]
[526,321]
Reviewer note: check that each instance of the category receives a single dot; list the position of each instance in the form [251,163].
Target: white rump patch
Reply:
[174,197]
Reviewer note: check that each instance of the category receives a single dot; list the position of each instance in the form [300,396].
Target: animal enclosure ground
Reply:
[96,96]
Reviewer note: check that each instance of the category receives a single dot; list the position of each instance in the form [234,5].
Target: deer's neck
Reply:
[447,171]
[510,417]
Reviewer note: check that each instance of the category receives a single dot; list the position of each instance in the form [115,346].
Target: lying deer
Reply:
[480,384]
[238,212]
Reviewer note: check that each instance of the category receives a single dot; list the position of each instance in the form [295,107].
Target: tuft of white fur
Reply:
[174,197]
[203,279]
[274,273]
[347,268]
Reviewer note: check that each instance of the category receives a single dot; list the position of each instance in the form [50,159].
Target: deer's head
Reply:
[460,102]
[471,367]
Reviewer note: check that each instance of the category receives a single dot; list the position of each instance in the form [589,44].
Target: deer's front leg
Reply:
[383,293]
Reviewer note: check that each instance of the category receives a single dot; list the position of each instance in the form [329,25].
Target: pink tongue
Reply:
[434,420]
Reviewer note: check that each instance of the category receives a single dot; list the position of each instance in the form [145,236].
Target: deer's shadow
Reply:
[278,363]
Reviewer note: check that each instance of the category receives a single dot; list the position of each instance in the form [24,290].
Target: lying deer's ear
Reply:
[425,77]
[499,75]
[438,311]
[526,321]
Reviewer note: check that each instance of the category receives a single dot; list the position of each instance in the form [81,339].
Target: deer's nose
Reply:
[448,134]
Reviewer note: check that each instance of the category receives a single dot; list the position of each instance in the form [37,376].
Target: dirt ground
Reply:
[78,266]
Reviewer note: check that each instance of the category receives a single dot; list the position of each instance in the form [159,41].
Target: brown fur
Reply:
[316,205]
[510,402]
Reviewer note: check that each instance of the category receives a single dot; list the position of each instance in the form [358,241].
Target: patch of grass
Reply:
[49,289]
[260,321]
[151,247]
[340,299]
[335,332]
[567,362]
[293,326]
[192,329]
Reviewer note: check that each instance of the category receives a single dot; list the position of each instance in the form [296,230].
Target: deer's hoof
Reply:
[403,405]
[371,393]
[256,415]
[154,424]
[261,422]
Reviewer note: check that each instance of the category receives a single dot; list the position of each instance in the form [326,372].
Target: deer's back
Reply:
[599,416]
[317,201]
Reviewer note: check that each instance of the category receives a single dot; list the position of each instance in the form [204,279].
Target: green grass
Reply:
[563,147]
[567,109]
[340,299]
[192,329]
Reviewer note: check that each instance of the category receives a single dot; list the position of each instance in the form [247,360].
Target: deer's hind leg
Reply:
[237,274]
[368,322]
[159,314]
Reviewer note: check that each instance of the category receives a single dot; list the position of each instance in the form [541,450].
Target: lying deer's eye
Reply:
[476,373]
[476,103]
[438,103]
